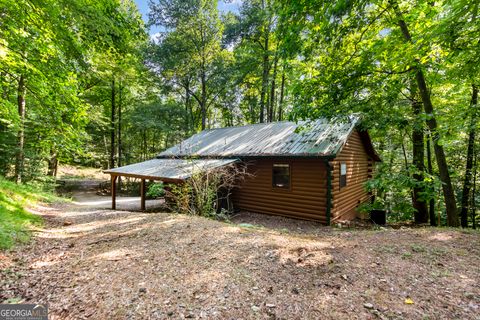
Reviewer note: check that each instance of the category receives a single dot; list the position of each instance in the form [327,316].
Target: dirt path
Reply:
[92,262]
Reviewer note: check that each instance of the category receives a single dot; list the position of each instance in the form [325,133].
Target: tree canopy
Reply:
[81,81]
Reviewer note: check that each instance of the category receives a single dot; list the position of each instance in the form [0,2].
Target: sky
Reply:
[223,6]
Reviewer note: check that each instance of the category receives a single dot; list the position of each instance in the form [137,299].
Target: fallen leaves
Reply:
[409,301]
[175,266]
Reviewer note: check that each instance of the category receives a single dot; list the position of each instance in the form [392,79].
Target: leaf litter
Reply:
[125,264]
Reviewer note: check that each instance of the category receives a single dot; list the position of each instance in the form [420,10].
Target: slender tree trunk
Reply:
[20,154]
[119,144]
[468,169]
[405,158]
[52,163]
[105,145]
[187,106]
[153,141]
[145,144]
[119,128]
[267,105]
[431,209]
[448,193]
[473,204]
[112,127]
[272,92]
[282,92]
[204,100]
[263,92]
[418,152]
[3,76]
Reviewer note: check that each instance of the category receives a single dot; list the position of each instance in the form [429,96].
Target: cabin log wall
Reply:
[345,200]
[306,199]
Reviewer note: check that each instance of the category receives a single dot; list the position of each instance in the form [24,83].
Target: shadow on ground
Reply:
[92,262]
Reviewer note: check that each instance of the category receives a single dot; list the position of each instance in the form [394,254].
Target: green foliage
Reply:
[92,76]
[72,47]
[354,58]
[15,220]
[155,190]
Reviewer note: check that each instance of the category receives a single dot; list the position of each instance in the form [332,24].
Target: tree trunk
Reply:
[20,154]
[144,144]
[3,76]
[418,152]
[448,193]
[468,169]
[272,92]
[263,92]
[204,100]
[187,107]
[112,127]
[431,209]
[282,89]
[52,163]
[119,127]
[473,207]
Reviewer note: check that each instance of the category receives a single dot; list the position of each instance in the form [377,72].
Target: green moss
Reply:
[15,220]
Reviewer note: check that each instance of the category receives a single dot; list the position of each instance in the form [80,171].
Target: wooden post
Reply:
[113,179]
[142,195]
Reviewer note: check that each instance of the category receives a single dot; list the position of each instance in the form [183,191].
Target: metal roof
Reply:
[169,169]
[306,138]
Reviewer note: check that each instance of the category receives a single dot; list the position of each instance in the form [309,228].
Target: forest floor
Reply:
[91,262]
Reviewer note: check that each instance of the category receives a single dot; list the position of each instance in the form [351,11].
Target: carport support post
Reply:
[142,195]
[113,189]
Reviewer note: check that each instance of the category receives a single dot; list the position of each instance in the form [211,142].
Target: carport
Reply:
[165,170]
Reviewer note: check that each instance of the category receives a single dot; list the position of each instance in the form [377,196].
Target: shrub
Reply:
[202,193]
[155,190]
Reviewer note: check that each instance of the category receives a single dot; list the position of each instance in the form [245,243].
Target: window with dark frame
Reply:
[281,176]
[343,175]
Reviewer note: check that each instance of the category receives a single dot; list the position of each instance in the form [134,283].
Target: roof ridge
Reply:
[256,124]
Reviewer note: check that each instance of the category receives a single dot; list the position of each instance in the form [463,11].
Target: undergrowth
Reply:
[15,220]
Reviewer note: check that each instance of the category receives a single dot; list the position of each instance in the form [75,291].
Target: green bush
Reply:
[155,190]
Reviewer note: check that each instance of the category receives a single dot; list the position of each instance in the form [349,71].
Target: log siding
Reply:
[305,199]
[345,200]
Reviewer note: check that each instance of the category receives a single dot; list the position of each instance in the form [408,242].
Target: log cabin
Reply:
[314,170]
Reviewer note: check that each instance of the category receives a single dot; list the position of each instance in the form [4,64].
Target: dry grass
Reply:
[120,264]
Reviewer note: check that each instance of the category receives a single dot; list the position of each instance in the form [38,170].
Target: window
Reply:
[343,175]
[281,176]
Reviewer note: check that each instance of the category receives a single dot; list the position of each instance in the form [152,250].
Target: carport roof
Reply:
[173,170]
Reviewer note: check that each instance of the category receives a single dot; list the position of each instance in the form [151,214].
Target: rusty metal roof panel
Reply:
[306,138]
[171,169]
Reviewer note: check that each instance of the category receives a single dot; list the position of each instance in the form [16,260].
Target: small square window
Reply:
[281,176]
[343,175]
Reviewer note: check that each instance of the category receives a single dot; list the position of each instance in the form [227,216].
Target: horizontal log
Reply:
[276,203]
[281,195]
[296,215]
[272,207]
[294,187]
[350,204]
[348,193]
